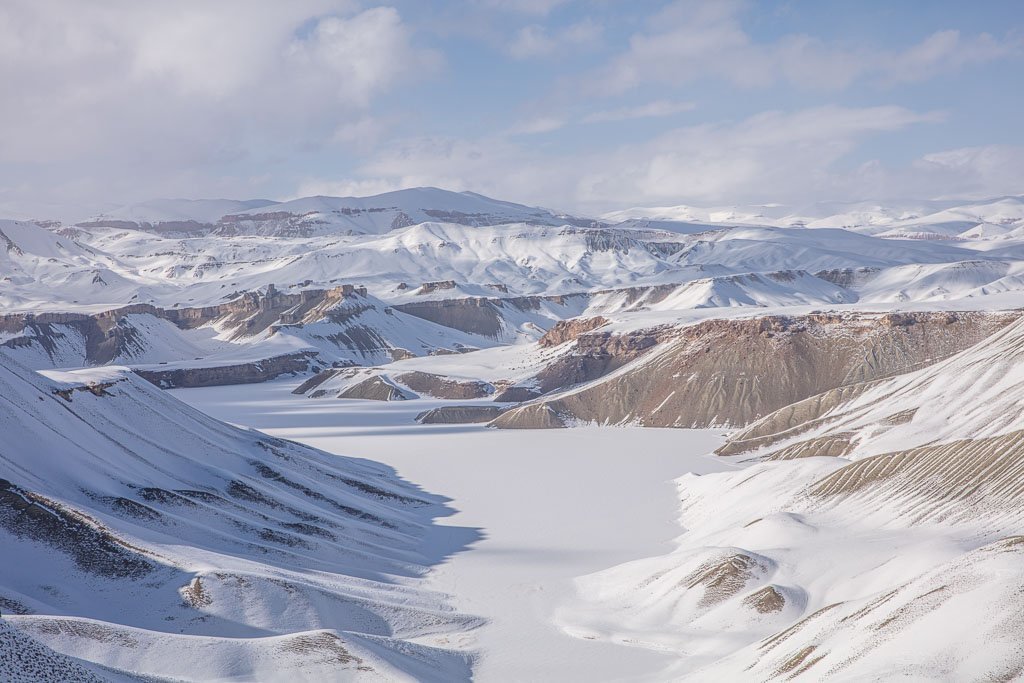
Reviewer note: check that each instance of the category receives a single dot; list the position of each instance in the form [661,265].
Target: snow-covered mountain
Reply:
[143,536]
[1001,217]
[864,356]
[107,267]
[310,216]
[200,299]
[880,537]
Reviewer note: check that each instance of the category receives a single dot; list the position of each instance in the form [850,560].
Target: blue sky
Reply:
[585,105]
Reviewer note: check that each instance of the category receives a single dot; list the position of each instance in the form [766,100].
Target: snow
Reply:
[976,394]
[812,558]
[555,556]
[322,215]
[551,505]
[994,217]
[199,210]
[168,543]
[101,268]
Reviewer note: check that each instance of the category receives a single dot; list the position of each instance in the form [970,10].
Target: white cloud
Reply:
[657,109]
[772,156]
[129,99]
[538,7]
[538,41]
[362,134]
[976,171]
[946,51]
[135,98]
[540,124]
[312,187]
[548,123]
[357,57]
[532,41]
[694,39]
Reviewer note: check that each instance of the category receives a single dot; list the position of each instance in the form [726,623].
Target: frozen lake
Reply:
[552,505]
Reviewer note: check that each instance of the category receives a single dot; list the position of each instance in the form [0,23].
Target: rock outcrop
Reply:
[516,394]
[445,387]
[569,330]
[458,415]
[376,388]
[109,335]
[596,354]
[316,380]
[732,372]
[431,287]
[219,375]
[473,315]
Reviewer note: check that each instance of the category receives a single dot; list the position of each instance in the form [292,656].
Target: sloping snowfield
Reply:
[552,505]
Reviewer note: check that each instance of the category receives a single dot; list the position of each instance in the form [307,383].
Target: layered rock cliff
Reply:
[732,372]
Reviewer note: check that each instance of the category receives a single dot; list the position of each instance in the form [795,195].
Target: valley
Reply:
[433,436]
[502,341]
[520,572]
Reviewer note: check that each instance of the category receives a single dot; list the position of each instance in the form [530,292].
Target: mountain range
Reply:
[863,362]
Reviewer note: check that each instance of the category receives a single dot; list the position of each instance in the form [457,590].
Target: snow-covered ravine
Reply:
[552,505]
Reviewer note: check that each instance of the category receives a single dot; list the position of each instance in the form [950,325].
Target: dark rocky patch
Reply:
[93,548]
[459,415]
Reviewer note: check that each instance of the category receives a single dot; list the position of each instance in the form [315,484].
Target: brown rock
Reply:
[570,330]
[445,387]
[732,372]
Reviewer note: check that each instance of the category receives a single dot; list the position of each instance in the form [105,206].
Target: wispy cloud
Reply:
[771,156]
[539,41]
[549,101]
[549,123]
[705,39]
[537,7]
[540,124]
[657,109]
[131,98]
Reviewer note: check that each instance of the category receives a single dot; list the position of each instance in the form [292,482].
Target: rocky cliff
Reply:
[732,372]
[219,375]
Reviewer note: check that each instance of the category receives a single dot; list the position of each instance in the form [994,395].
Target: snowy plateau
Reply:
[434,436]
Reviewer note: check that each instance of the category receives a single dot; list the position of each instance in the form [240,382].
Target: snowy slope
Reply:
[759,249]
[447,278]
[323,328]
[894,556]
[923,219]
[38,267]
[524,259]
[518,259]
[976,394]
[308,216]
[156,214]
[772,579]
[771,289]
[135,518]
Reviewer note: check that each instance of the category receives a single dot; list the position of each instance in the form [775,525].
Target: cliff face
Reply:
[731,372]
[967,399]
[475,315]
[882,510]
[570,330]
[107,336]
[491,317]
[243,339]
[383,384]
[596,354]
[445,387]
[98,471]
[375,389]
[458,415]
[241,373]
